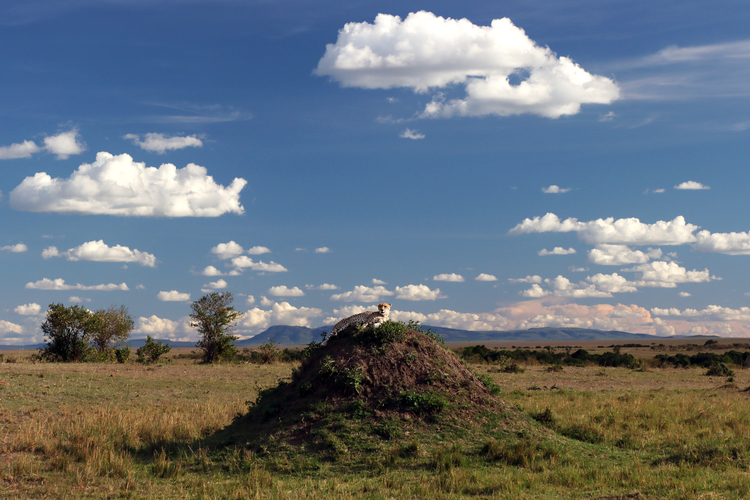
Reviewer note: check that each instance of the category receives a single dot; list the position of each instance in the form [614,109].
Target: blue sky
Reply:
[491,165]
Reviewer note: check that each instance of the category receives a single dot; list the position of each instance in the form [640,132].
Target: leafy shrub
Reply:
[719,370]
[546,418]
[418,403]
[122,354]
[489,383]
[414,325]
[151,351]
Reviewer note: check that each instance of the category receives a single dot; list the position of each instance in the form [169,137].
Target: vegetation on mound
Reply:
[376,396]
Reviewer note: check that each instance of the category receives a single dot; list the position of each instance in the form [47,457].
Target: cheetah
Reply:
[367,318]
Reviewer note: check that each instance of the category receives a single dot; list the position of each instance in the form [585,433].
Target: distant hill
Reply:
[300,335]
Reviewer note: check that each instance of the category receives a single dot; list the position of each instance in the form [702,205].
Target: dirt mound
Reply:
[365,386]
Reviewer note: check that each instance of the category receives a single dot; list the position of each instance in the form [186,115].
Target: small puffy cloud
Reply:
[159,143]
[411,134]
[684,294]
[617,255]
[612,283]
[283,291]
[28,309]
[213,286]
[485,277]
[448,277]
[726,243]
[656,191]
[173,296]
[78,300]
[324,286]
[363,293]
[554,189]
[98,251]
[20,150]
[535,292]
[211,271]
[376,281]
[502,71]
[629,231]
[265,301]
[117,185]
[418,292]
[227,250]
[250,300]
[691,185]
[323,250]
[667,275]
[59,284]
[556,251]
[50,252]
[280,313]
[64,144]
[244,261]
[258,250]
[17,248]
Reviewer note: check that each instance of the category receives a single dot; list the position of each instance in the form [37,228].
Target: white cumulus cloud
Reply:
[20,150]
[156,326]
[726,243]
[173,296]
[502,70]
[64,144]
[691,185]
[28,309]
[485,277]
[617,255]
[667,275]
[59,284]
[324,286]
[448,277]
[159,143]
[214,285]
[227,250]
[323,250]
[280,313]
[244,261]
[117,185]
[17,248]
[258,250]
[630,231]
[98,251]
[284,291]
[556,251]
[418,292]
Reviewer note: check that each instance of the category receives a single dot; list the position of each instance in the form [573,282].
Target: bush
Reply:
[151,351]
[719,370]
[122,354]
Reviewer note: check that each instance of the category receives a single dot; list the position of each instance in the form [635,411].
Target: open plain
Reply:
[94,430]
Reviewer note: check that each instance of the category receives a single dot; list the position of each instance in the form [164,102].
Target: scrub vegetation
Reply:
[376,413]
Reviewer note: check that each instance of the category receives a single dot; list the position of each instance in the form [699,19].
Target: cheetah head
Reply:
[384,308]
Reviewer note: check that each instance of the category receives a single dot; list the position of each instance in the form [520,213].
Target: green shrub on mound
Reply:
[374,398]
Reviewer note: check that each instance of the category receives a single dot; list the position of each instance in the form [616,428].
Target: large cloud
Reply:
[159,143]
[17,248]
[59,284]
[668,274]
[117,185]
[727,243]
[630,231]
[503,71]
[98,251]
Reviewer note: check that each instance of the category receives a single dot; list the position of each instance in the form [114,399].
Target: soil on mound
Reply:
[370,385]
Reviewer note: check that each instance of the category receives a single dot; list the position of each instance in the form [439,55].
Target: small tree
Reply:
[213,316]
[68,331]
[115,325]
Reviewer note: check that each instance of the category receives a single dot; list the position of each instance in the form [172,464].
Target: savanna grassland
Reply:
[108,430]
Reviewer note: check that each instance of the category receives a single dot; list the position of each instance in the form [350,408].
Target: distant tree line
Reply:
[550,356]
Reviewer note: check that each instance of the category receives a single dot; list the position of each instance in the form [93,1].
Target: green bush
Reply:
[419,403]
[719,370]
[122,354]
[151,351]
